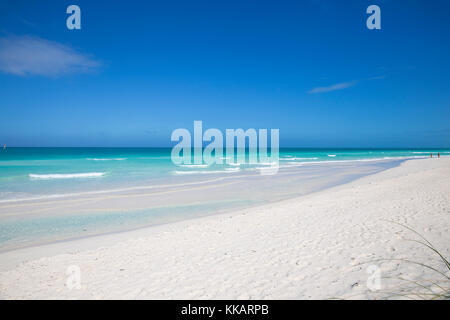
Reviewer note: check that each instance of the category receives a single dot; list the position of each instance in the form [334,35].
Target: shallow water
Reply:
[88,191]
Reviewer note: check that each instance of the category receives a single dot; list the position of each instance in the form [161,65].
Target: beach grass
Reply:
[437,288]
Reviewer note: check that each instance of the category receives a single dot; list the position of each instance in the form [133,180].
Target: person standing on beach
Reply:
[431,155]
[439,155]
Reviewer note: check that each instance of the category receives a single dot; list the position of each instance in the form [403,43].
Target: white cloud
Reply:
[334,87]
[29,55]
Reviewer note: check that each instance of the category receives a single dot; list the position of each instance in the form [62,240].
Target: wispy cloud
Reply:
[334,87]
[27,22]
[29,55]
[377,77]
[344,85]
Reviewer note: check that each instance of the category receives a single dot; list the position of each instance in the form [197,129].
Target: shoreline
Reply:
[284,165]
[41,198]
[211,227]
[155,205]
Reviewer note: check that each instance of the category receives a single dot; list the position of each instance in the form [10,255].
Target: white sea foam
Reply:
[232,169]
[294,159]
[297,164]
[227,170]
[106,159]
[332,155]
[66,175]
[428,152]
[267,163]
[193,165]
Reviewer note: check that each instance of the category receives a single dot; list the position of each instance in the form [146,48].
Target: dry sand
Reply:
[323,245]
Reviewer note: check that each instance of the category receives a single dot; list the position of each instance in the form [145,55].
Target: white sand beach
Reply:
[322,245]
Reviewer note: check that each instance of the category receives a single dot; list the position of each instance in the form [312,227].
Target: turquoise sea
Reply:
[40,174]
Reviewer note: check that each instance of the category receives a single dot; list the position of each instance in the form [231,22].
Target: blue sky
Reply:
[139,69]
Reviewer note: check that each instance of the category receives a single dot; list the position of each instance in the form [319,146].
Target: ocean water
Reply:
[171,192]
[27,173]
